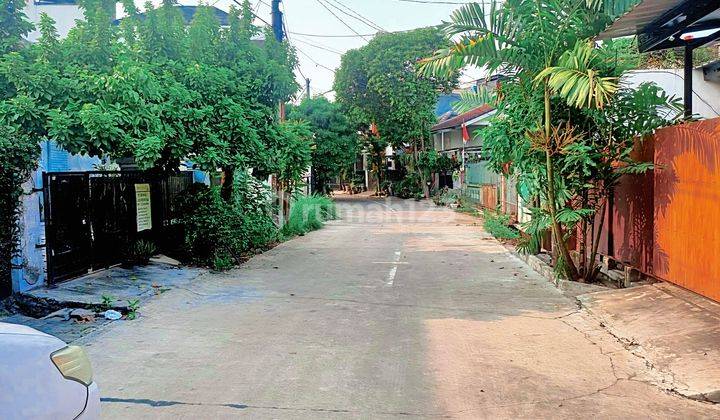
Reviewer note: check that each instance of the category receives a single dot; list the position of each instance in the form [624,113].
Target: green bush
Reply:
[309,213]
[408,187]
[467,206]
[223,263]
[18,154]
[218,233]
[497,224]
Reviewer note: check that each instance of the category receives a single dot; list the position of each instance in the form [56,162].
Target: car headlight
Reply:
[73,364]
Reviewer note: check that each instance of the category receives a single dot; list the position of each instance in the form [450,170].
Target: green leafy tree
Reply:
[17,159]
[336,142]
[156,90]
[294,140]
[377,84]
[500,38]
[13,25]
[160,91]
[18,150]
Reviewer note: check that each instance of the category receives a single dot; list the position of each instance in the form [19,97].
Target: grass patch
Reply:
[497,224]
[309,213]
[466,206]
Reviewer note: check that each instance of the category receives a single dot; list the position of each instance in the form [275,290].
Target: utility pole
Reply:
[277,21]
[277,27]
[307,88]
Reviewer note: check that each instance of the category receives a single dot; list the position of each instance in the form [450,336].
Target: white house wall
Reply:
[706,95]
[453,139]
[63,14]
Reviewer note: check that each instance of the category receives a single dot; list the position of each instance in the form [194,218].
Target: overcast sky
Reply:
[310,17]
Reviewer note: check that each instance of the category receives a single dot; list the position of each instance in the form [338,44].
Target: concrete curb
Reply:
[540,267]
[569,288]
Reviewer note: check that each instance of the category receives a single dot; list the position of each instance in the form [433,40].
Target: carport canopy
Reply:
[665,24]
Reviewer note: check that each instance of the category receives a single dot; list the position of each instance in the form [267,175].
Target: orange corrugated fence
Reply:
[667,223]
[686,246]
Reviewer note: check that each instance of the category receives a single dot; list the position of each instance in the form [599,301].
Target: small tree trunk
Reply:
[571,269]
[591,267]
[226,191]
[584,239]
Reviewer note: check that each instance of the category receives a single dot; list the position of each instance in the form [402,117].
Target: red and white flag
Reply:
[465,133]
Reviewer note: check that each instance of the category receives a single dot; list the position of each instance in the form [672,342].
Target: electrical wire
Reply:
[253,13]
[332,36]
[435,2]
[355,15]
[320,47]
[287,37]
[313,43]
[313,60]
[340,19]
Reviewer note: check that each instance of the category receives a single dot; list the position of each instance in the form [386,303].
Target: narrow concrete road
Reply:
[398,310]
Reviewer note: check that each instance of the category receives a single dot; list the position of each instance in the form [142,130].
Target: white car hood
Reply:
[6,328]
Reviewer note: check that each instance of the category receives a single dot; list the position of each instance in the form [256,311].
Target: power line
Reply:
[312,44]
[349,35]
[333,36]
[342,21]
[253,13]
[287,31]
[320,47]
[355,15]
[298,65]
[313,60]
[434,2]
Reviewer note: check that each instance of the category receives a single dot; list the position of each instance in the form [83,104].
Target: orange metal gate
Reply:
[686,243]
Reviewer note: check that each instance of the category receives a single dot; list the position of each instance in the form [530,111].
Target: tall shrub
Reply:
[18,150]
[17,159]
[220,233]
[559,120]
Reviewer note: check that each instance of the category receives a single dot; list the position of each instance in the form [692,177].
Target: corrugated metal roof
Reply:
[638,18]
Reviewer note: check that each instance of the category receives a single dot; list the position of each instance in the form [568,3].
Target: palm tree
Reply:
[543,41]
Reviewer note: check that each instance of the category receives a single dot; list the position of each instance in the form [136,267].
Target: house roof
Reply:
[461,119]
[664,24]
[638,18]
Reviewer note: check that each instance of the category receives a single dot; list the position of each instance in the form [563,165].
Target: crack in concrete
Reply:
[237,406]
[613,368]
[673,386]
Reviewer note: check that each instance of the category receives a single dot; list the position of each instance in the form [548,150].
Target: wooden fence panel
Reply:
[490,196]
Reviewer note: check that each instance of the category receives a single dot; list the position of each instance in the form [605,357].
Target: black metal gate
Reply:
[445,180]
[91,218]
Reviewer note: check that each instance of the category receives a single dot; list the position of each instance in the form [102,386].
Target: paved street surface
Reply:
[399,310]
